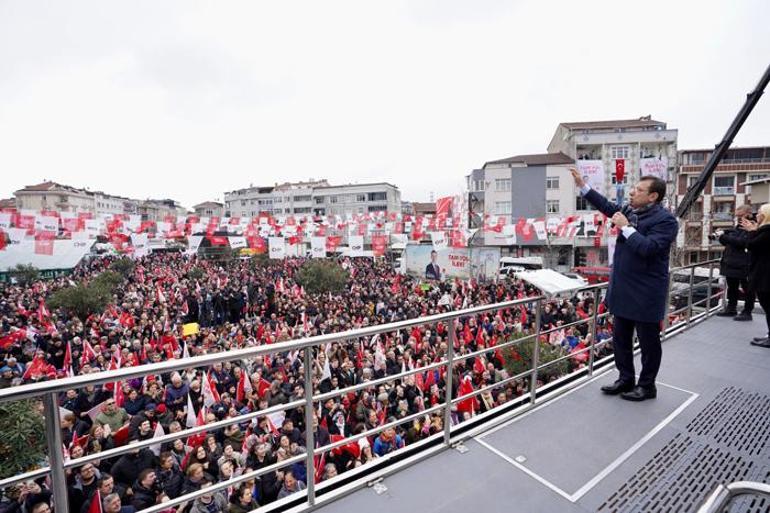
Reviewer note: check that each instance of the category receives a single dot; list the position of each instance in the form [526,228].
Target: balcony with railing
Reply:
[553,443]
[723,191]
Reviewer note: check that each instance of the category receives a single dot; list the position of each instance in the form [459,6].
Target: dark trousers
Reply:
[764,300]
[623,343]
[732,294]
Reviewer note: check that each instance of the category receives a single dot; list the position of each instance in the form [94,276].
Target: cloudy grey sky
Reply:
[188,99]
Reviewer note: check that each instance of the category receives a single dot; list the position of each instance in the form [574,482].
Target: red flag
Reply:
[478,365]
[469,405]
[244,387]
[67,366]
[620,170]
[262,387]
[88,353]
[120,397]
[96,503]
[121,436]
[210,392]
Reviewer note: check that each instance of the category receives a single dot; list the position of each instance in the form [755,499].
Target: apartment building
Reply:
[729,187]
[209,209]
[312,197]
[54,196]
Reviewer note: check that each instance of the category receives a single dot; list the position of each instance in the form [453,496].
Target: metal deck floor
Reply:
[585,451]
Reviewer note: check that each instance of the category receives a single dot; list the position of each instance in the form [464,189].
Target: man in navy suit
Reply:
[432,270]
[639,281]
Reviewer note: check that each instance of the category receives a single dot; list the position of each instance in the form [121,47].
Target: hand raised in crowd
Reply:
[576,176]
[748,225]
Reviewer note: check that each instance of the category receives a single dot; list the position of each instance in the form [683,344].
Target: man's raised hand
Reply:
[578,179]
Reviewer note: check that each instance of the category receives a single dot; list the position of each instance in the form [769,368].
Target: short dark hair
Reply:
[656,185]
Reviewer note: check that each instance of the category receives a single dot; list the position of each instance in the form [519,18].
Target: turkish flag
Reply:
[620,170]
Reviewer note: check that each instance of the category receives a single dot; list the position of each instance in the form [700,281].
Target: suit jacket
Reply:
[639,279]
[431,273]
[759,249]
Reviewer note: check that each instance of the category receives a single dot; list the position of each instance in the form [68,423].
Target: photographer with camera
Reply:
[735,265]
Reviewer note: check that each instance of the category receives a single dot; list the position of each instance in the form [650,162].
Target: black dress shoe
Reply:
[617,388]
[760,339]
[727,313]
[640,394]
[765,342]
[744,316]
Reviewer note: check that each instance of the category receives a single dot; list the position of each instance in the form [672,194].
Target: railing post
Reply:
[708,293]
[666,320]
[309,438]
[450,352]
[689,296]
[597,295]
[536,351]
[55,451]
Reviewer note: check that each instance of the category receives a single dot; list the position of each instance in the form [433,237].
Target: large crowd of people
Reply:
[246,303]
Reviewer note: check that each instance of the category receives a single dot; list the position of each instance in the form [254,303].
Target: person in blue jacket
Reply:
[638,282]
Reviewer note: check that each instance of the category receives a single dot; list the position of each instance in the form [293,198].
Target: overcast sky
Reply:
[189,99]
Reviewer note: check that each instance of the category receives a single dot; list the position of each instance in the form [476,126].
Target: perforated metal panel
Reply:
[727,441]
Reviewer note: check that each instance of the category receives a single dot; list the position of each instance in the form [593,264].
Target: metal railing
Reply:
[722,495]
[50,392]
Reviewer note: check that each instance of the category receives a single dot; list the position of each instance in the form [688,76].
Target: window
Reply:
[615,180]
[319,200]
[724,185]
[552,206]
[378,208]
[691,180]
[377,196]
[478,185]
[333,199]
[581,204]
[302,210]
[502,207]
[502,184]
[360,198]
[302,198]
[552,182]
[243,203]
[619,152]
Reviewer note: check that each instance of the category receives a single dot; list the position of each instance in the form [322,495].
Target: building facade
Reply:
[54,196]
[523,186]
[715,207]
[541,186]
[209,209]
[313,197]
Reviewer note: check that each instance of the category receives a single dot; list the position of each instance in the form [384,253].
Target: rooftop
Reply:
[582,451]
[537,159]
[208,204]
[642,122]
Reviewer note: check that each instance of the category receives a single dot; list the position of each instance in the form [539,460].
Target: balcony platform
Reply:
[585,451]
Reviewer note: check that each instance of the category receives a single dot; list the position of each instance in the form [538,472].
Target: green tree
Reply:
[81,300]
[22,446]
[24,274]
[108,280]
[321,276]
[518,358]
[259,260]
[124,266]
[196,273]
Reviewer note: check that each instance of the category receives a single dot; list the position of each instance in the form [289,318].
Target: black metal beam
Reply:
[751,100]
